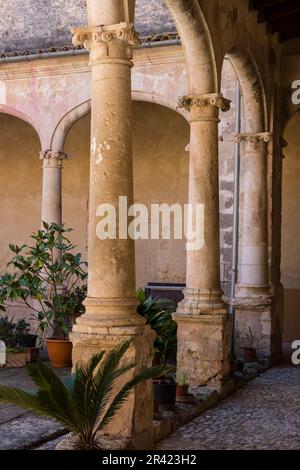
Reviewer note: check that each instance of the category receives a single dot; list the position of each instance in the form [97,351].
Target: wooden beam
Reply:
[289,34]
[261,4]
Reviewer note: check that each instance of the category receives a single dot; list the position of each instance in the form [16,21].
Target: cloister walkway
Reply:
[265,414]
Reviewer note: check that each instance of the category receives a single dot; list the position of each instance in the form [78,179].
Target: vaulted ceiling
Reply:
[280,16]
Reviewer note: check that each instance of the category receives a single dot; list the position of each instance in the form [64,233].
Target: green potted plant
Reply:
[87,401]
[248,348]
[158,314]
[23,335]
[50,279]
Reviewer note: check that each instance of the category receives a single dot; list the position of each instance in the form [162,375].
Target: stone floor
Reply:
[265,414]
[21,429]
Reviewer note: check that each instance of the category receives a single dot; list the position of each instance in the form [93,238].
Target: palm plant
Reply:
[84,404]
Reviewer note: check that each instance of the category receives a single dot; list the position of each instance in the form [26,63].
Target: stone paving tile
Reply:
[265,414]
[20,428]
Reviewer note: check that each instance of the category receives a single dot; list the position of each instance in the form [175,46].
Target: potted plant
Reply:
[15,357]
[50,279]
[158,314]
[248,349]
[15,354]
[182,387]
[23,335]
[87,401]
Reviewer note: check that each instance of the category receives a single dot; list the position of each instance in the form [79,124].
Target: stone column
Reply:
[204,329]
[111,304]
[253,295]
[52,186]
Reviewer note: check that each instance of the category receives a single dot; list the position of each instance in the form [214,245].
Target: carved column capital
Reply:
[107,42]
[254,138]
[53,159]
[204,107]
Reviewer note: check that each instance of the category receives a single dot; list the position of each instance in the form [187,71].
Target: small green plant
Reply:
[158,314]
[88,400]
[7,332]
[48,278]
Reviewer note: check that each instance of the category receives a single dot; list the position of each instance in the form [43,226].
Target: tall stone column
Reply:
[204,328]
[111,304]
[52,186]
[253,294]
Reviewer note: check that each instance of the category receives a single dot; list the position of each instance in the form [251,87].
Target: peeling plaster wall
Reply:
[226,175]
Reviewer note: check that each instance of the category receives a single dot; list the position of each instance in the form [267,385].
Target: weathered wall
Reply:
[20,184]
[160,176]
[290,266]
[35,24]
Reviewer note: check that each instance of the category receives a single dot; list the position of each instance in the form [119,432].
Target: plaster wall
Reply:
[160,176]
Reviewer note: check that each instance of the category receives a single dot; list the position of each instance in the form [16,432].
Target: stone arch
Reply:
[63,127]
[197,44]
[252,87]
[20,115]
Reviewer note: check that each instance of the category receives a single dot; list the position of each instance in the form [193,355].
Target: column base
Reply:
[134,421]
[257,307]
[204,338]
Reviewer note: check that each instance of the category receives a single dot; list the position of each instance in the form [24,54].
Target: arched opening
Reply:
[160,161]
[290,244]
[20,183]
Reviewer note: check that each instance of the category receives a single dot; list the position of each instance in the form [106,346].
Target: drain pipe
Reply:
[236,204]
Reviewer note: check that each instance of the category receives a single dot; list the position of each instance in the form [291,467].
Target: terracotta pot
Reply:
[182,390]
[249,354]
[60,352]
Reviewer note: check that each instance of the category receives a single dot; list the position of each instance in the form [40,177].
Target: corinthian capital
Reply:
[53,159]
[201,101]
[107,41]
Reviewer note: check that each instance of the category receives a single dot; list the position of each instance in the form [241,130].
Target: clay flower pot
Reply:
[182,390]
[59,352]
